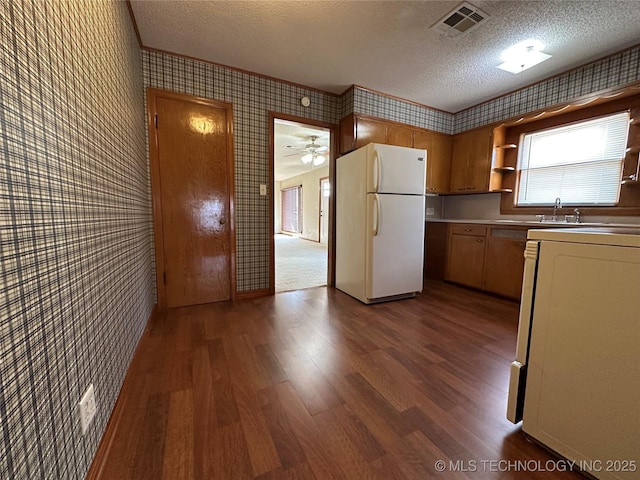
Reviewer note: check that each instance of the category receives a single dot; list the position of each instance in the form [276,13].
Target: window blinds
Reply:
[580,163]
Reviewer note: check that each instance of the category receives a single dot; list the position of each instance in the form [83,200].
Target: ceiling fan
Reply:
[312,152]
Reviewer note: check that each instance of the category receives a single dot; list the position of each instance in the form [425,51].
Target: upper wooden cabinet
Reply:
[357,131]
[471,161]
[438,147]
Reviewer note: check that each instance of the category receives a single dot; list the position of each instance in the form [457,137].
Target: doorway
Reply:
[301,217]
[191,152]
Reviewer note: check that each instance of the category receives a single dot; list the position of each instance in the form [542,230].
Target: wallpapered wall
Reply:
[613,71]
[76,254]
[253,98]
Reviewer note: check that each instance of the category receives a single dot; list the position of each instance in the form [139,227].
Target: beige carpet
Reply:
[299,263]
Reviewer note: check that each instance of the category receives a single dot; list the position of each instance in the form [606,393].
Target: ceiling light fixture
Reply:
[313,157]
[523,55]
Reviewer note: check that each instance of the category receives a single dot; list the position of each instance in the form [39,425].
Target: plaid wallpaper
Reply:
[76,238]
[394,109]
[76,243]
[616,70]
[253,97]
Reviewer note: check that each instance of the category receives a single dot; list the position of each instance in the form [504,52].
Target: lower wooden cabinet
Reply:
[504,261]
[435,249]
[486,257]
[465,255]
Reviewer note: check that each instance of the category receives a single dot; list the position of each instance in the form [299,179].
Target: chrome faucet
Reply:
[556,206]
[577,212]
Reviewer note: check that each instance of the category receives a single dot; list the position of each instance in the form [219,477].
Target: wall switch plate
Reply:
[263,189]
[87,409]
[431,211]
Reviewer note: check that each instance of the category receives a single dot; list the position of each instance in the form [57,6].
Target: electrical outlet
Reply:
[87,408]
[431,211]
[263,189]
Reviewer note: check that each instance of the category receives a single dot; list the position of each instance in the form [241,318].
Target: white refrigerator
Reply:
[380,222]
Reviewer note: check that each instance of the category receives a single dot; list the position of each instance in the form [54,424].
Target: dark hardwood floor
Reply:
[315,385]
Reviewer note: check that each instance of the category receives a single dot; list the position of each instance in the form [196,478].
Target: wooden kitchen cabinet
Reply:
[357,131]
[438,147]
[399,135]
[471,161]
[487,257]
[465,255]
[435,249]
[504,261]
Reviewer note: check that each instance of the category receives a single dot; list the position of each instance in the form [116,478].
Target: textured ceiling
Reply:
[289,144]
[387,45]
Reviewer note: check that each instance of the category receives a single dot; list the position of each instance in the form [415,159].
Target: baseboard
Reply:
[99,459]
[252,294]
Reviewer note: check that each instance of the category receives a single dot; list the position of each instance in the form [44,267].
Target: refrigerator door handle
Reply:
[376,219]
[376,170]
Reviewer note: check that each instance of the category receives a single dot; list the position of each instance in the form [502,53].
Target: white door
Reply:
[395,244]
[325,191]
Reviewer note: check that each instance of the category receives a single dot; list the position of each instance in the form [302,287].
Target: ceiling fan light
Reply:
[318,160]
[306,159]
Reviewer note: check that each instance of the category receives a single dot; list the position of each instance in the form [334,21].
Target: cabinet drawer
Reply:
[475,230]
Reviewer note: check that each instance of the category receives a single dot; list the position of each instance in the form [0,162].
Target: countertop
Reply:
[533,223]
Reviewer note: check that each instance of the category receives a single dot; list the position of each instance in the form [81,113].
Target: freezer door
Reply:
[395,244]
[517,381]
[392,169]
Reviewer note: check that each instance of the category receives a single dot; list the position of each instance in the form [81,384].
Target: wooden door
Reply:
[438,147]
[479,166]
[192,170]
[461,151]
[465,255]
[370,131]
[399,135]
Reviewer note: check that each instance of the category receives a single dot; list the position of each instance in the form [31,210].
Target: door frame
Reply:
[152,95]
[331,260]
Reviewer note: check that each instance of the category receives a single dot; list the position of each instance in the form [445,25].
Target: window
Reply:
[580,163]
[292,210]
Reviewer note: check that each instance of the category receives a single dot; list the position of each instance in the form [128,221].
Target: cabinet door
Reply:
[465,259]
[504,263]
[460,154]
[471,161]
[370,131]
[479,166]
[399,135]
[435,250]
[438,147]
[347,134]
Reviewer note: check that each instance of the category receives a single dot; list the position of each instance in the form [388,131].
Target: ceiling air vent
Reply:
[461,20]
